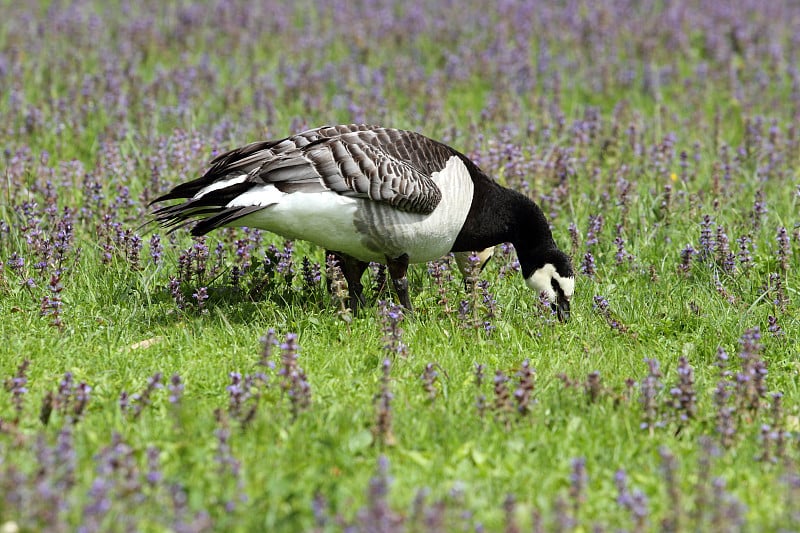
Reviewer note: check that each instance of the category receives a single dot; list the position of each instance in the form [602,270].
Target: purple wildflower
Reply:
[744,255]
[523,394]
[133,250]
[134,405]
[268,343]
[784,250]
[294,381]
[593,230]
[198,257]
[219,255]
[17,386]
[564,521]
[686,259]
[338,288]
[236,276]
[750,382]
[587,265]
[759,210]
[593,386]
[773,327]
[634,502]
[573,238]
[156,249]
[669,468]
[592,238]
[429,377]
[391,315]
[649,389]
[52,304]
[469,309]
[81,400]
[707,243]
[382,429]
[377,516]
[66,389]
[778,434]
[243,254]
[378,274]
[726,511]
[508,260]
[311,274]
[229,466]
[319,507]
[726,423]
[623,196]
[776,286]
[578,479]
[175,388]
[509,510]
[502,397]
[47,408]
[603,308]
[154,474]
[174,287]
[285,265]
[666,200]
[622,255]
[439,271]
[700,489]
[16,263]
[489,305]
[200,296]
[683,393]
[237,394]
[724,256]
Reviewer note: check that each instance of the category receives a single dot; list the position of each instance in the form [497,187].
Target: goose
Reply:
[369,193]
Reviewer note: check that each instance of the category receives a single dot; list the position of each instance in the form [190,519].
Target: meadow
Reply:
[155,382]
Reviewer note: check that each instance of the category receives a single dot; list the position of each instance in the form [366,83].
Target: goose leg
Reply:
[352,270]
[397,271]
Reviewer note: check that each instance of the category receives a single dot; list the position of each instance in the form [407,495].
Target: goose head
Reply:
[549,273]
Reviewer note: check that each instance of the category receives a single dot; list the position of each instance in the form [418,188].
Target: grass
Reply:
[96,126]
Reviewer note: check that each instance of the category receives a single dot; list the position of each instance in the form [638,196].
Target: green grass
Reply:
[441,445]
[121,325]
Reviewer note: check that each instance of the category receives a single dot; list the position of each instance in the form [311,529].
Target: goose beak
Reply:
[561,307]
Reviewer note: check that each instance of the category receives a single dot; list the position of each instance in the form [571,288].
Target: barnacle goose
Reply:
[373,194]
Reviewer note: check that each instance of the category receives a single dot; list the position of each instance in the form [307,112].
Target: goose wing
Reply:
[380,164]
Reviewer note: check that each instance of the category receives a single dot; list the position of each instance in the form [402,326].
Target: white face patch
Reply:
[541,282]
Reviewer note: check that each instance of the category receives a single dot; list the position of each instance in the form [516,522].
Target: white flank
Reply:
[219,185]
[429,237]
[541,282]
[263,195]
[362,228]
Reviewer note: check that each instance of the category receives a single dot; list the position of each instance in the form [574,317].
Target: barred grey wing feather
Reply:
[362,170]
[250,156]
[356,160]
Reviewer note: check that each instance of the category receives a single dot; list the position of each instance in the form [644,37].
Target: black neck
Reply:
[500,215]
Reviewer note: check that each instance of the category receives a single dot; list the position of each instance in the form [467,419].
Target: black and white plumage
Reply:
[369,193]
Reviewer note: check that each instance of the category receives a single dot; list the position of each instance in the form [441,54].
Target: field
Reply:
[155,382]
